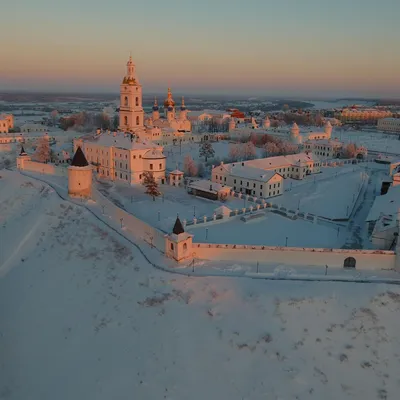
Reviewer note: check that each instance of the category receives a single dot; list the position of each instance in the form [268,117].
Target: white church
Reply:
[130,153]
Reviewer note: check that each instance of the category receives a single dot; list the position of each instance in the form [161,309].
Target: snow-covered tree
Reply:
[151,185]
[235,152]
[248,151]
[189,166]
[254,138]
[206,150]
[271,149]
[350,151]
[42,153]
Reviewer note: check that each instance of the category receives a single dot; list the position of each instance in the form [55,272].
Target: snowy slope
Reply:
[85,317]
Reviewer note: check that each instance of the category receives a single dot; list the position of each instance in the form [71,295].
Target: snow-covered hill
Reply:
[84,316]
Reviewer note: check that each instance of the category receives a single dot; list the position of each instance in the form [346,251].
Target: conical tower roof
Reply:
[22,152]
[79,159]
[178,227]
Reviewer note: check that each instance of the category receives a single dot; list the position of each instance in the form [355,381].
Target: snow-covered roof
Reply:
[176,172]
[154,154]
[208,186]
[122,141]
[247,172]
[388,204]
[282,161]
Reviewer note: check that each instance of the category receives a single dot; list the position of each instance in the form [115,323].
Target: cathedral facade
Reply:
[155,126]
[170,119]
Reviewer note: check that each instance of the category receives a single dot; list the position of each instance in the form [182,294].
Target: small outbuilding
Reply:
[176,178]
[208,189]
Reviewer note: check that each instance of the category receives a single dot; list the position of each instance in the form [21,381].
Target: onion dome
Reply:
[183,107]
[155,106]
[169,101]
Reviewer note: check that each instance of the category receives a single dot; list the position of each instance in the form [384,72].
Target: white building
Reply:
[249,180]
[295,166]
[325,148]
[389,125]
[122,156]
[6,122]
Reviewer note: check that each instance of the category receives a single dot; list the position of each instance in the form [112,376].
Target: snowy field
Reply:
[331,198]
[84,316]
[163,211]
[271,230]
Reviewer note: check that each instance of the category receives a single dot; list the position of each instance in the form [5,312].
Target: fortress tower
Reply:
[79,176]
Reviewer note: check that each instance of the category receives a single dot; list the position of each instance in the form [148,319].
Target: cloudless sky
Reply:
[268,47]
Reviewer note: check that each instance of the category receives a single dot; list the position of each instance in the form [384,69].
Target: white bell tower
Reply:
[131,114]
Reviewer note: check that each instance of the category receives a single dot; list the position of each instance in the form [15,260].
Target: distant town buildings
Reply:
[390,125]
[366,115]
[6,122]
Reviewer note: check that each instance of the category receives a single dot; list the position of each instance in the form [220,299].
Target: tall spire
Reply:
[178,227]
[183,107]
[155,106]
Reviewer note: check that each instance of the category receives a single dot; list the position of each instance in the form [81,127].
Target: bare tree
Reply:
[189,166]
[235,152]
[42,153]
[249,151]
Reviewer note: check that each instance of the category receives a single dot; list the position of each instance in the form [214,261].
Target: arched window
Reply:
[137,120]
[184,246]
[137,101]
[126,120]
[126,101]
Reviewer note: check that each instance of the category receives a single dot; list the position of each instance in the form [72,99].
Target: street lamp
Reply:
[193,255]
[194,211]
[103,207]
[206,233]
[286,241]
[121,220]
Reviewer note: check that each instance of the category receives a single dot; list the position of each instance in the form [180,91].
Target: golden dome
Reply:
[169,101]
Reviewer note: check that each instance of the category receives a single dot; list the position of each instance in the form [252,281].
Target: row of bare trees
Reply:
[86,122]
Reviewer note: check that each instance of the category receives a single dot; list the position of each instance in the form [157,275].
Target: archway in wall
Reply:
[349,262]
[126,101]
[360,156]
[126,120]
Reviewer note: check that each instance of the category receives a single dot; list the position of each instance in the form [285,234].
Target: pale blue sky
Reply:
[254,46]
